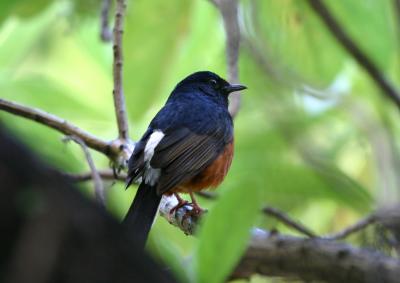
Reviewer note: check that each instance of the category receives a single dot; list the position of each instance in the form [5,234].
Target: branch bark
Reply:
[272,254]
[56,123]
[118,93]
[186,224]
[351,47]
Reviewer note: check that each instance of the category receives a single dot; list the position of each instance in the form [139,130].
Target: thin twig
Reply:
[105,174]
[229,13]
[98,183]
[365,62]
[360,225]
[56,123]
[288,221]
[118,92]
[105,32]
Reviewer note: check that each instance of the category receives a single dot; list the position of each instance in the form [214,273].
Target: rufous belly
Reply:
[211,176]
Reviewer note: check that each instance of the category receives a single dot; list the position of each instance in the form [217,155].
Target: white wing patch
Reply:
[151,174]
[151,144]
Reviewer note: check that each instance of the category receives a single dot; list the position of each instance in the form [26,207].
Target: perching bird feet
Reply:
[181,203]
[194,212]
[196,209]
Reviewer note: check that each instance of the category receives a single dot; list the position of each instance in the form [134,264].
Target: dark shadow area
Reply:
[51,233]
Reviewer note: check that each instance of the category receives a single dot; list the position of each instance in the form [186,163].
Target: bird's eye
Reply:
[214,83]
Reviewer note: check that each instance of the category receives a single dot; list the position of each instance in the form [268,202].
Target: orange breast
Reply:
[210,177]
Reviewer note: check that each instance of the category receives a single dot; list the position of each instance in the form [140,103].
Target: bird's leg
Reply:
[196,207]
[181,203]
[196,210]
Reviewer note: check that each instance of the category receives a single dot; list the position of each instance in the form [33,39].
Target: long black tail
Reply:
[142,212]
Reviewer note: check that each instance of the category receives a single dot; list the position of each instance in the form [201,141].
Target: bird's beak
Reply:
[233,87]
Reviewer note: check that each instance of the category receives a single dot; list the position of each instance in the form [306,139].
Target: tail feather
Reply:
[142,212]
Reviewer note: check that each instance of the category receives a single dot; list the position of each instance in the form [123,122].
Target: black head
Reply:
[208,84]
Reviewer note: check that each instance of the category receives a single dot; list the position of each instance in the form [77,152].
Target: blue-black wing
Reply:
[182,154]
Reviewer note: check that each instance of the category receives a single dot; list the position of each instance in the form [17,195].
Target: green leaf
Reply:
[26,9]
[295,42]
[285,178]
[18,38]
[151,43]
[225,233]
[6,7]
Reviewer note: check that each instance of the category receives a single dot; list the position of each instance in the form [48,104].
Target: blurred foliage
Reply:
[314,136]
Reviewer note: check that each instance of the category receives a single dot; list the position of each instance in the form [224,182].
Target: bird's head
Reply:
[208,84]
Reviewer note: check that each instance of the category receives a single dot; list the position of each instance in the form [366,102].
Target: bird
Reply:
[187,147]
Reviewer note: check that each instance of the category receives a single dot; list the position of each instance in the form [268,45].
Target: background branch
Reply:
[285,219]
[281,216]
[105,32]
[118,93]
[56,123]
[229,13]
[360,225]
[347,43]
[272,254]
[98,183]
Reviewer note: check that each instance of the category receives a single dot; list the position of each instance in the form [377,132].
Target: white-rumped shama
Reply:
[187,147]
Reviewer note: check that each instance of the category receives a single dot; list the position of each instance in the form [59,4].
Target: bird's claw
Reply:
[195,212]
[180,204]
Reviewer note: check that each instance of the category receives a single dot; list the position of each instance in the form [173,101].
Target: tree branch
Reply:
[360,225]
[56,123]
[186,223]
[118,93]
[229,13]
[357,227]
[105,32]
[98,183]
[347,43]
[272,254]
